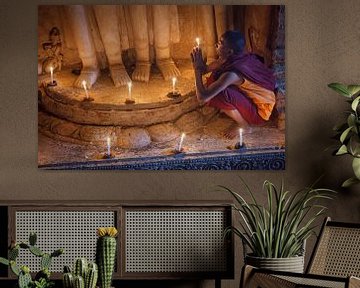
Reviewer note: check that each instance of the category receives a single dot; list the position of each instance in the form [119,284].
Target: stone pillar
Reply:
[278,60]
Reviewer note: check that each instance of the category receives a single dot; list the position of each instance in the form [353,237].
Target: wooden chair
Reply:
[335,262]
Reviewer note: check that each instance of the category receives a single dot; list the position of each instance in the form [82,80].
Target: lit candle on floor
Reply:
[197,42]
[181,141]
[241,137]
[129,86]
[108,146]
[51,75]
[173,85]
[86,92]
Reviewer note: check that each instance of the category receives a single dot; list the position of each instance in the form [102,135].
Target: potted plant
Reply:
[42,278]
[276,233]
[348,132]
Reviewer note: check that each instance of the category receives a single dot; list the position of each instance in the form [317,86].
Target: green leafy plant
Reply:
[349,131]
[280,229]
[42,278]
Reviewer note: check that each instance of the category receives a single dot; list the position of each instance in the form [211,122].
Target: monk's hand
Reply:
[197,60]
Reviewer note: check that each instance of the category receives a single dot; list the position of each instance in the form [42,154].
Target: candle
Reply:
[108,146]
[181,141]
[197,42]
[86,92]
[173,85]
[51,75]
[241,137]
[129,86]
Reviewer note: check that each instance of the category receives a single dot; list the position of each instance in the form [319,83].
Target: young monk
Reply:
[240,85]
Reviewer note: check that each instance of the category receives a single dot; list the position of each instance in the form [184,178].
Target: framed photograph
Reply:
[161,87]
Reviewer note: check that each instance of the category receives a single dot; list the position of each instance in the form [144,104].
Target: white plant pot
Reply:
[291,264]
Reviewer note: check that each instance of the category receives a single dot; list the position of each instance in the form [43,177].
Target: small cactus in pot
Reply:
[85,275]
[106,254]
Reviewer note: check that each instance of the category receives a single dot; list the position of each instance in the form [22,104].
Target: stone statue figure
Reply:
[108,25]
[85,44]
[257,28]
[53,52]
[161,24]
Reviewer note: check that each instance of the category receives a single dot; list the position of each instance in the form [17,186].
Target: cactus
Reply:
[81,266]
[32,239]
[88,273]
[24,280]
[91,276]
[105,254]
[57,252]
[14,268]
[67,269]
[24,245]
[68,280]
[79,282]
[36,251]
[45,261]
[13,253]
[42,278]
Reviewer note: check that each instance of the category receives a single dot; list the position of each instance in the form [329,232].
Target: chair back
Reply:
[337,251]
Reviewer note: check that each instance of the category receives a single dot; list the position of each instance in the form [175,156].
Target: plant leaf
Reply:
[342,150]
[340,88]
[351,120]
[345,134]
[353,89]
[354,145]
[349,182]
[355,103]
[356,167]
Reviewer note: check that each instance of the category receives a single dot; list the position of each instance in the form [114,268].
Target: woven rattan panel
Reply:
[312,282]
[74,231]
[338,253]
[175,241]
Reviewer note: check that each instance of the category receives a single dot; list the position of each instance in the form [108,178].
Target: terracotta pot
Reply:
[291,264]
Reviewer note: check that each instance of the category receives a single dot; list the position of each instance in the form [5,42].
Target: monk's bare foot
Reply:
[142,72]
[168,68]
[119,75]
[232,131]
[89,75]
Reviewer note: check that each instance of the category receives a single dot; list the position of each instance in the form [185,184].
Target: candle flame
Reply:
[51,69]
[197,41]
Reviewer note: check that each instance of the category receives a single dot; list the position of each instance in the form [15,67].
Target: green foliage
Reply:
[42,278]
[42,283]
[280,229]
[349,131]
